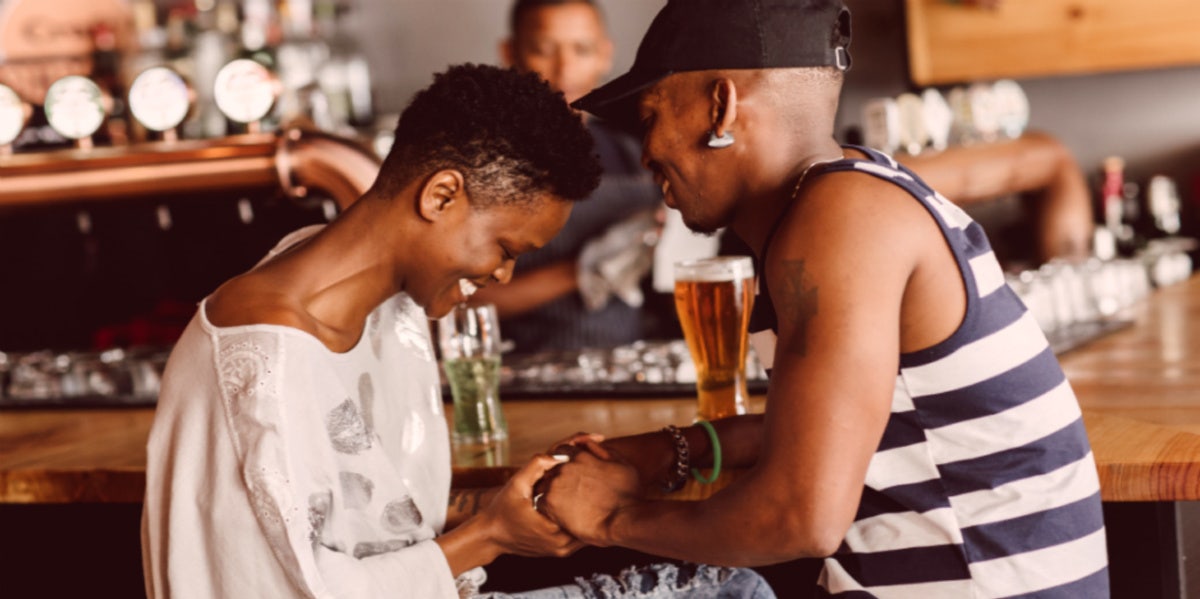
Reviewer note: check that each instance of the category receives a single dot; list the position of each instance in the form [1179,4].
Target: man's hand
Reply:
[586,492]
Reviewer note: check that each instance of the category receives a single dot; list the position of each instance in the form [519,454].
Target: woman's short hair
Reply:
[508,133]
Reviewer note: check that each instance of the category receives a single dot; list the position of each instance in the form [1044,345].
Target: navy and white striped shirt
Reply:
[984,483]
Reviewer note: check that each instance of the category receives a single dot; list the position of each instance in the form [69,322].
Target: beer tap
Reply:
[245,211]
[76,107]
[160,100]
[245,91]
[14,113]
[163,215]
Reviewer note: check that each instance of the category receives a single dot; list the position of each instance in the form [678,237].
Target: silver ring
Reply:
[536,499]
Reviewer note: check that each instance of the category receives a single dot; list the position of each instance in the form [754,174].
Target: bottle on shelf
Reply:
[1113,209]
[346,77]
[213,46]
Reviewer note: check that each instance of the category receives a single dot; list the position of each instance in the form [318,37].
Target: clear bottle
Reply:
[346,78]
[300,56]
[108,73]
[213,46]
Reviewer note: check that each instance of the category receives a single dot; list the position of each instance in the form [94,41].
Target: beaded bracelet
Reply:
[716,452]
[678,473]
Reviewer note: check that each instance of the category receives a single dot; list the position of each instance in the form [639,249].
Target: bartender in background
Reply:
[584,288]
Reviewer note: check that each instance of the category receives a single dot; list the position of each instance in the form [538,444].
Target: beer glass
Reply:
[713,297]
[469,339]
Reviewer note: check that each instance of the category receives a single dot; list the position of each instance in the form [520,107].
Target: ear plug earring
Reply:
[724,141]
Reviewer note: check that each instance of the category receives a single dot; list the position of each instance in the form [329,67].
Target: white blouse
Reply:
[278,468]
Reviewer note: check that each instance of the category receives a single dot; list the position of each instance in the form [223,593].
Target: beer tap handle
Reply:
[245,211]
[14,113]
[160,100]
[83,221]
[163,214]
[76,108]
[245,92]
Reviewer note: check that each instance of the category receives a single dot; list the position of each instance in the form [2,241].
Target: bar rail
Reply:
[293,160]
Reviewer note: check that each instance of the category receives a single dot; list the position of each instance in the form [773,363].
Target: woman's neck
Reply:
[343,273]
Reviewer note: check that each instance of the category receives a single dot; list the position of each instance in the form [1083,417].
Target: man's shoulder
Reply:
[857,238]
[845,214]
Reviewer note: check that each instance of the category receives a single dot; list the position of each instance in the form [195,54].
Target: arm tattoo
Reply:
[798,302]
[467,501]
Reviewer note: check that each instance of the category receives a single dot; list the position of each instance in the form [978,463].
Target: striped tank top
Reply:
[984,483]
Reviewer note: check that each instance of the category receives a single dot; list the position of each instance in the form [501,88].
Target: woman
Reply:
[299,446]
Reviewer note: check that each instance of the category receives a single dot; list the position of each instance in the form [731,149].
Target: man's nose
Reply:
[562,67]
[504,274]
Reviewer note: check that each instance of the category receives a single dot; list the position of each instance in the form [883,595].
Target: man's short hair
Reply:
[522,7]
[508,133]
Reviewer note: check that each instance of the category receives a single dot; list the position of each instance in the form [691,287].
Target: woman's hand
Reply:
[570,445]
[515,523]
[508,524]
[586,492]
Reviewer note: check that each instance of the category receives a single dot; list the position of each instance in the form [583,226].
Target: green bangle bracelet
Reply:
[716,453]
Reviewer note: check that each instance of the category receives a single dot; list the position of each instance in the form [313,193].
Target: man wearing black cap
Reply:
[919,435]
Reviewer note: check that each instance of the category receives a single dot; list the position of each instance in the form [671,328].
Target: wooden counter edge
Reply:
[1139,461]
[72,486]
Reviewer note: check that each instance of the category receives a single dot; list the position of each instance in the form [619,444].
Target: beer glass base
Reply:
[719,415]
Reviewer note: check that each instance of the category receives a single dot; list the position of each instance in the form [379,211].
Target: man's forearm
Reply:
[739,526]
[740,438]
[653,453]
[530,290]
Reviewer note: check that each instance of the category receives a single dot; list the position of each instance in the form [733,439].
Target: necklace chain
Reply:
[804,173]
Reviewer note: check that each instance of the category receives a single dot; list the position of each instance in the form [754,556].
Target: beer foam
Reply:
[715,270]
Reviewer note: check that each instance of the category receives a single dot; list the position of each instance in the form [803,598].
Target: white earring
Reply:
[724,141]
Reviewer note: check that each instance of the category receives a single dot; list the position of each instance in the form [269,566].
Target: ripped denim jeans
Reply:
[658,581]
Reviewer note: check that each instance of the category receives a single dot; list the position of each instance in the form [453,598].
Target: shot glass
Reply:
[469,340]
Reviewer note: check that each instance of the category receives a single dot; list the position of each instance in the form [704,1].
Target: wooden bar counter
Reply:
[1139,387]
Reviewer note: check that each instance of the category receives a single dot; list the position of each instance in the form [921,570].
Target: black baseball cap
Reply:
[702,35]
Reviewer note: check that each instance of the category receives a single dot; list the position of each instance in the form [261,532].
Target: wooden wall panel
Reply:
[951,42]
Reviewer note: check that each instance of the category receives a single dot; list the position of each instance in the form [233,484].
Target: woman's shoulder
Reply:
[291,240]
[251,299]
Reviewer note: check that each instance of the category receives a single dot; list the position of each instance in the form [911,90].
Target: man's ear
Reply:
[724,105]
[442,192]
[508,53]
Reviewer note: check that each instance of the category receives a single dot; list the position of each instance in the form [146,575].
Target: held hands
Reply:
[583,495]
[516,526]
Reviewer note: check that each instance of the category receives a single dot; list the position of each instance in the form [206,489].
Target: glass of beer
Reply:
[713,297]
[469,339]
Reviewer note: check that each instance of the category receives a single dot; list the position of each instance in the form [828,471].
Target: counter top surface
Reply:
[1139,388]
